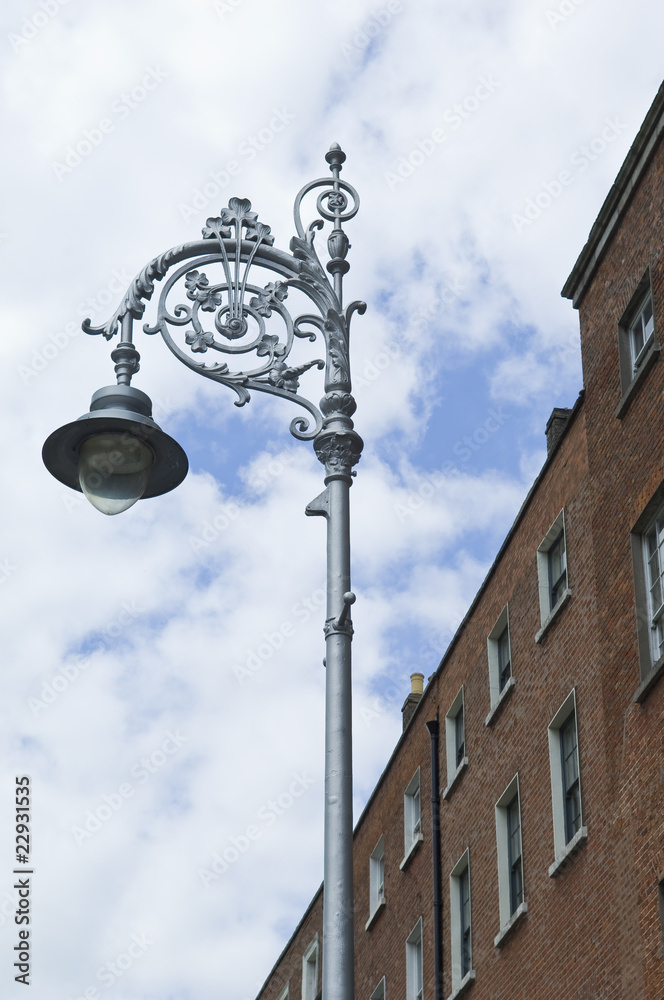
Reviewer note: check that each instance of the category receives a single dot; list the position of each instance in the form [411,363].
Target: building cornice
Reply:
[616,202]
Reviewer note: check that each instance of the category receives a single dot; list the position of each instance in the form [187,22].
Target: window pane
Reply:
[459,736]
[570,761]
[516,887]
[556,553]
[504,666]
[572,813]
[637,338]
[571,788]
[648,323]
[464,894]
[514,854]
[557,569]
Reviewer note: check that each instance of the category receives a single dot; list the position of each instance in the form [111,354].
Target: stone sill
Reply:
[520,911]
[463,985]
[630,392]
[553,615]
[459,771]
[411,850]
[500,702]
[579,838]
[374,916]
[644,688]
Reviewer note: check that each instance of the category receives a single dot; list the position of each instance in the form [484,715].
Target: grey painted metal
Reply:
[433,728]
[338,925]
[125,409]
[230,315]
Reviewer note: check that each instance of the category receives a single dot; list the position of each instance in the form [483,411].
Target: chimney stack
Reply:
[413,699]
[555,427]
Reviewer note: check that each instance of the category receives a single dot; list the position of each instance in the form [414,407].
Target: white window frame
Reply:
[655,614]
[285,993]
[310,973]
[415,963]
[507,918]
[412,817]
[563,847]
[376,880]
[459,980]
[635,363]
[454,771]
[493,655]
[547,610]
[379,992]
[651,664]
[637,357]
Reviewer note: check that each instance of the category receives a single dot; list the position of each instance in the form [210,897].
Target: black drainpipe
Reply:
[437,888]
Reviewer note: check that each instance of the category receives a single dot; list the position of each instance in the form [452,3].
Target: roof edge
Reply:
[290,941]
[616,201]
[457,635]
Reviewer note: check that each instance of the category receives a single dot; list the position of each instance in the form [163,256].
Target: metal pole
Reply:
[338,447]
[338,924]
[338,972]
[437,886]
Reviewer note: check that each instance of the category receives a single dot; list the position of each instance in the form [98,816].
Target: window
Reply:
[552,572]
[504,658]
[460,924]
[648,561]
[459,740]
[310,971]
[514,853]
[285,993]
[568,830]
[412,817]
[557,569]
[641,333]
[499,651]
[570,770]
[653,551]
[637,344]
[455,741]
[511,899]
[379,992]
[414,972]
[376,880]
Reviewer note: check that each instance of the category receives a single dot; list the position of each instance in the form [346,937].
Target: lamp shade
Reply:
[116,453]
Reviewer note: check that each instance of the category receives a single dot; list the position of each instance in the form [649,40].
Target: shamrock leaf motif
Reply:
[261,233]
[198,290]
[273,293]
[239,212]
[199,340]
[215,227]
[269,345]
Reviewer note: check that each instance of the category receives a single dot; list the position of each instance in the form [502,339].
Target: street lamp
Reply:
[116,453]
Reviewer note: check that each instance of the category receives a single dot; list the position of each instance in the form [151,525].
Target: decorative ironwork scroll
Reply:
[214,312]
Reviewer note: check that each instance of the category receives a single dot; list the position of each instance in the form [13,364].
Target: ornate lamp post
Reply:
[117,454]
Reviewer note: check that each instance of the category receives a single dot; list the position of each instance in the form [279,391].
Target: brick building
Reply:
[544,749]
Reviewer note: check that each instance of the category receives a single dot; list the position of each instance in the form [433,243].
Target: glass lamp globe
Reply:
[113,471]
[116,453]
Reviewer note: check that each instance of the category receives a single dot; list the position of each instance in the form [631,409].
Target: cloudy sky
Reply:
[483,138]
